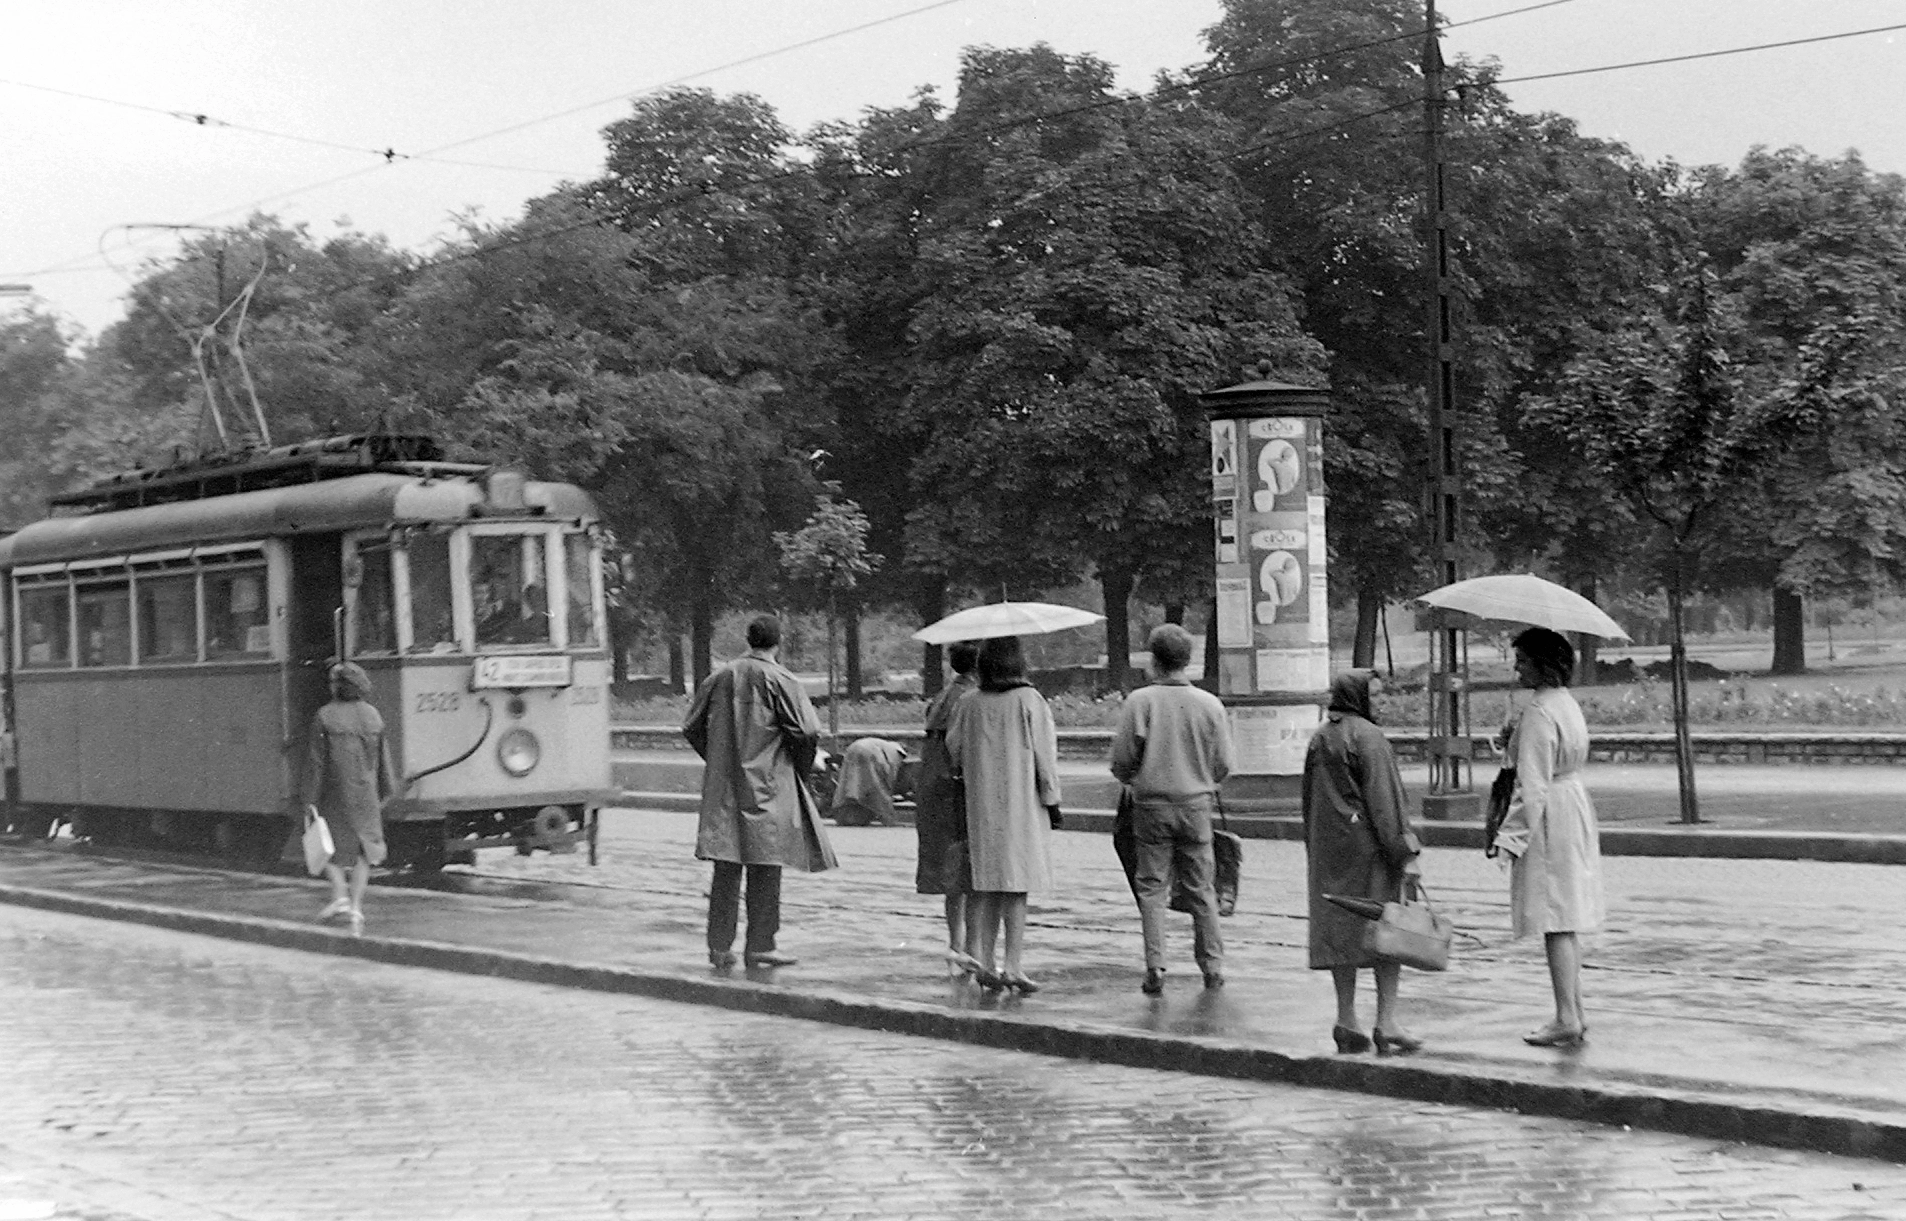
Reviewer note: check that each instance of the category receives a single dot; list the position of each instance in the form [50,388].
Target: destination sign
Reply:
[516,671]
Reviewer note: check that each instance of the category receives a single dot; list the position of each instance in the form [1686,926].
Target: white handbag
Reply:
[317,842]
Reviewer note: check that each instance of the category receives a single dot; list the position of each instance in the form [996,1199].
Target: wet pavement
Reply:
[1753,998]
[157,1076]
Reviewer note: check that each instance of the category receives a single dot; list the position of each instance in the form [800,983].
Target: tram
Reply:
[169,631]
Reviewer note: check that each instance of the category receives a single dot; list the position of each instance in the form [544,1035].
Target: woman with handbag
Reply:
[939,817]
[1360,845]
[1002,743]
[347,778]
[1549,832]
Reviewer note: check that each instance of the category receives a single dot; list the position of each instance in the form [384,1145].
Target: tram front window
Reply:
[507,590]
[578,569]
[433,624]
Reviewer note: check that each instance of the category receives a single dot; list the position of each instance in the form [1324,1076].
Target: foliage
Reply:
[829,553]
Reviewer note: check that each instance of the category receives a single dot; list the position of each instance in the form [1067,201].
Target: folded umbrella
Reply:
[1005,619]
[1356,905]
[1520,599]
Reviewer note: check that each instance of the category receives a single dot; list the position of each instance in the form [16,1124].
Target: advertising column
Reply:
[1273,620]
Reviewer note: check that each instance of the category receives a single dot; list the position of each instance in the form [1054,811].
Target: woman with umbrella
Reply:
[1550,833]
[1001,739]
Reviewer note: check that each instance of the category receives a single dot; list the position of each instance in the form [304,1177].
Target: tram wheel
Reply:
[32,822]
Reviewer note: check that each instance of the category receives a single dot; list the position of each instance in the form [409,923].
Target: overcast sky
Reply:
[423,75]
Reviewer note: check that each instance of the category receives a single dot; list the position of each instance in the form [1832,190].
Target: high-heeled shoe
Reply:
[1556,1036]
[1020,983]
[1154,984]
[1395,1043]
[1349,1042]
[989,979]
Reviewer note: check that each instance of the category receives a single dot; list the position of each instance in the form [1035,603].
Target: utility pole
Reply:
[1450,744]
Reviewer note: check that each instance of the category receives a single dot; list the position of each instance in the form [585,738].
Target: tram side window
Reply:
[433,625]
[236,620]
[44,642]
[105,624]
[376,613]
[507,589]
[168,619]
[578,562]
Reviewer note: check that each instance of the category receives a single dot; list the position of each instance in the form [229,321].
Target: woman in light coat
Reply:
[1550,832]
[347,778]
[1001,740]
[1358,841]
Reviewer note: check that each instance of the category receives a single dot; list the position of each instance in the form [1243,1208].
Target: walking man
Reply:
[755,729]
[1173,748]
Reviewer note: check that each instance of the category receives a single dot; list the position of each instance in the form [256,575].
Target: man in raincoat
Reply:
[755,729]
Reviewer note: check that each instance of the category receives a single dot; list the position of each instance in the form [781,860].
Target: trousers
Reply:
[724,903]
[1176,838]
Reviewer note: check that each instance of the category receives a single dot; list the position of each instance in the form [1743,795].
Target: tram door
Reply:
[316,591]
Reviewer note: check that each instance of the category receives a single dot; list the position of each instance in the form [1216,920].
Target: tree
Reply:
[34,363]
[828,556]
[1090,274]
[1664,416]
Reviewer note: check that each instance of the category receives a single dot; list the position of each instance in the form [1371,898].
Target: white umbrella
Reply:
[1005,619]
[1521,598]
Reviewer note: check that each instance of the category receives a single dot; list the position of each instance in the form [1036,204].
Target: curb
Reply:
[1616,841]
[1666,1111]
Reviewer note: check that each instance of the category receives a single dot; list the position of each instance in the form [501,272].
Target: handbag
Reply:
[1412,933]
[1501,790]
[1227,858]
[318,847]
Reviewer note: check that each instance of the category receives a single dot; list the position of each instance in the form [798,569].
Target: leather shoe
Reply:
[1349,1042]
[1395,1043]
[722,960]
[771,958]
[1214,979]
[1154,984]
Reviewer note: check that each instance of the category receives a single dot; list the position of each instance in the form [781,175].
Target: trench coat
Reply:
[348,776]
[869,770]
[1555,882]
[1004,746]
[750,722]
[939,812]
[1356,830]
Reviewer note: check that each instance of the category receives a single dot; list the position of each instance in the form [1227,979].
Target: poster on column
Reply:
[1271,741]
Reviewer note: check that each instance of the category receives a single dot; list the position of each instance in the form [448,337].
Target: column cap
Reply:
[1250,400]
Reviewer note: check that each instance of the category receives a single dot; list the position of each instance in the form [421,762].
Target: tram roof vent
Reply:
[504,490]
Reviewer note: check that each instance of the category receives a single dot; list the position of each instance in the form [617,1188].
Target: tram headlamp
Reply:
[518,751]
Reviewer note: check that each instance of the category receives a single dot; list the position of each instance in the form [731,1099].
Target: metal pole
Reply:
[1446,704]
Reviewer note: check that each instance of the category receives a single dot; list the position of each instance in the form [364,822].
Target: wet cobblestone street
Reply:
[163,1076]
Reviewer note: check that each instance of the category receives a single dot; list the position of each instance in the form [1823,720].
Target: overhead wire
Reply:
[1682,59]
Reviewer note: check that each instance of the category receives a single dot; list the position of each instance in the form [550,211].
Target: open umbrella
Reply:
[1005,619]
[1520,598]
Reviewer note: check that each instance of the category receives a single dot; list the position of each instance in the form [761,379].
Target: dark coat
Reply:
[1357,831]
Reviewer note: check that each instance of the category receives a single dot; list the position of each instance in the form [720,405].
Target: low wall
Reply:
[1839,749]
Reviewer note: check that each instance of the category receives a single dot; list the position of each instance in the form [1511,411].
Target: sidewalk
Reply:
[1752,1000]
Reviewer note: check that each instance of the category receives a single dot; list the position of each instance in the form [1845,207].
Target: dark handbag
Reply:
[1227,857]
[1409,932]
[1501,789]
[1125,840]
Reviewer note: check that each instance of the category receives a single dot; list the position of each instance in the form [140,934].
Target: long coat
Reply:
[348,775]
[869,770]
[749,722]
[1357,832]
[939,813]
[1005,746]
[1555,884]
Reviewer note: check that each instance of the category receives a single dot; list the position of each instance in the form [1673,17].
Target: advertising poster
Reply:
[1234,613]
[1271,741]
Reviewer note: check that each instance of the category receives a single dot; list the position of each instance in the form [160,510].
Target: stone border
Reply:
[1667,1110]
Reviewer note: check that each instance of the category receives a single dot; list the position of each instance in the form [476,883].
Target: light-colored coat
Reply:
[869,770]
[747,722]
[1005,746]
[1556,881]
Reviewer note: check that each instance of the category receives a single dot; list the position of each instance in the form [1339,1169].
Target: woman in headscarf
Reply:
[1550,833]
[1001,740]
[1360,844]
[347,778]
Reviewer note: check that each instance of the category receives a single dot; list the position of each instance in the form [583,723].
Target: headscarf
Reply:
[351,681]
[1350,693]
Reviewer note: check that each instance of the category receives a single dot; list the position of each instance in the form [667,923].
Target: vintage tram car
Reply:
[170,632]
